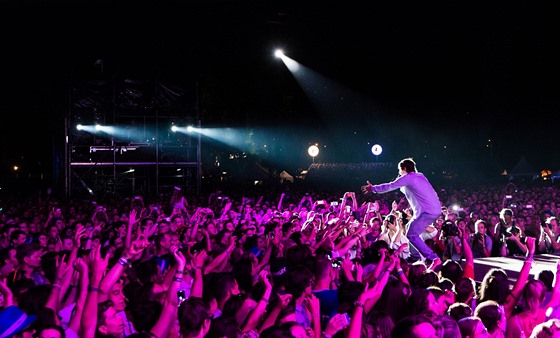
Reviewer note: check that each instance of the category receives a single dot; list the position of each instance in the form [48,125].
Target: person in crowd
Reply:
[495,286]
[500,230]
[423,200]
[394,235]
[493,317]
[534,311]
[480,242]
[515,243]
[282,277]
[414,326]
[452,240]
[29,263]
[550,244]
[459,311]
[548,329]
[472,327]
[17,238]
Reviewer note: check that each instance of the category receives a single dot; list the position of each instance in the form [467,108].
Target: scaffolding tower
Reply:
[125,145]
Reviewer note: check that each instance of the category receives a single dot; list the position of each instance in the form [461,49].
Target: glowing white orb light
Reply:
[376,150]
[313,151]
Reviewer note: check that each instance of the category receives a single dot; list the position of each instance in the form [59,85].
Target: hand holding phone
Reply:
[181,297]
[346,319]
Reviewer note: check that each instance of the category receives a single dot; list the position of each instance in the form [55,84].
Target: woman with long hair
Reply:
[493,317]
[472,327]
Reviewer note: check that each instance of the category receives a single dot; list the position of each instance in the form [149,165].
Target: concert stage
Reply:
[512,266]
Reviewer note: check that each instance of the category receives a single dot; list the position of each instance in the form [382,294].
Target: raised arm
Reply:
[366,300]
[98,266]
[352,196]
[216,262]
[6,292]
[513,296]
[260,310]
[198,279]
[555,298]
[346,244]
[132,221]
[468,269]
[270,319]
[225,211]
[55,296]
[279,207]
[265,259]
[169,311]
[124,262]
[82,268]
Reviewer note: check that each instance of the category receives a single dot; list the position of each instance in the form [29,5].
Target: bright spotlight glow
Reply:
[97,127]
[174,128]
[313,150]
[278,53]
[292,65]
[190,129]
[79,127]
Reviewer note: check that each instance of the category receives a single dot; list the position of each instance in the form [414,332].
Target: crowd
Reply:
[277,263]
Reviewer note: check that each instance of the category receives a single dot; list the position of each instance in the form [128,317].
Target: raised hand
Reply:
[138,246]
[199,258]
[284,300]
[359,271]
[80,233]
[312,304]
[179,257]
[367,188]
[530,242]
[400,249]
[132,217]
[6,292]
[98,265]
[62,267]
[232,243]
[335,324]
[81,266]
[346,265]
[263,277]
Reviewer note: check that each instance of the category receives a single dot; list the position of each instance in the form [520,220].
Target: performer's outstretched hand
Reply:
[367,188]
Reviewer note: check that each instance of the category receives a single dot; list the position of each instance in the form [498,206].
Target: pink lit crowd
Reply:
[277,262]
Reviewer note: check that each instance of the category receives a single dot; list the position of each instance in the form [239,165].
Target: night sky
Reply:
[435,80]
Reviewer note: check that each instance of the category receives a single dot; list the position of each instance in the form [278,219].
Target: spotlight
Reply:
[190,128]
[98,127]
[278,53]
[79,127]
[174,128]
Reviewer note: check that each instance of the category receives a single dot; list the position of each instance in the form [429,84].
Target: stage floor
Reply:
[512,265]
